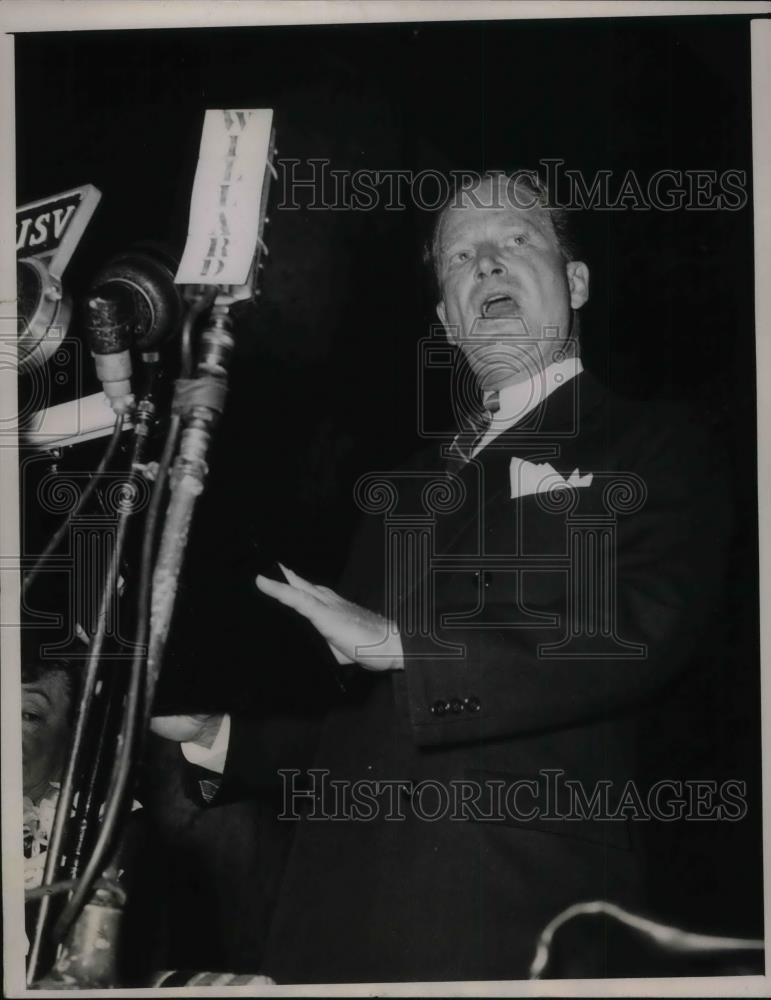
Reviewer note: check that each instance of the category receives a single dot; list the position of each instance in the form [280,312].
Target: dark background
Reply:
[326,376]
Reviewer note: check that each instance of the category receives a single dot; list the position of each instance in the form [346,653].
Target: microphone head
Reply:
[109,323]
[109,319]
[143,279]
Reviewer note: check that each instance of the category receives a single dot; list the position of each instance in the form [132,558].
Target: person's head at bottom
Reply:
[46,717]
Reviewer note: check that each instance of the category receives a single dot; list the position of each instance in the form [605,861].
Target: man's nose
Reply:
[489,264]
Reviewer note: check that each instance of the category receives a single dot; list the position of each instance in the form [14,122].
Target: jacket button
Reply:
[487,578]
[456,706]
[440,707]
[473,704]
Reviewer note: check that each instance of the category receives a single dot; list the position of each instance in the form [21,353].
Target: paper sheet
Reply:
[225,205]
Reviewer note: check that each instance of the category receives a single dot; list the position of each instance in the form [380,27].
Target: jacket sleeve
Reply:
[669,564]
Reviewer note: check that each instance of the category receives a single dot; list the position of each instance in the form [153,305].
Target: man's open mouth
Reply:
[499,306]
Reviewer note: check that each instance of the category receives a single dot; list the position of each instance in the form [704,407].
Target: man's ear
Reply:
[449,331]
[578,283]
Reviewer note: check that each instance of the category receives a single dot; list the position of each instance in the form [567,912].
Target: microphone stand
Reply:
[88,929]
[89,925]
[199,402]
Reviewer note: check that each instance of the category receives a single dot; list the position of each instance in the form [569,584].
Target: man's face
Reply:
[507,292]
[45,730]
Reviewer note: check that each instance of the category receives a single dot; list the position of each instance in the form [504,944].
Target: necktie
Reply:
[474,427]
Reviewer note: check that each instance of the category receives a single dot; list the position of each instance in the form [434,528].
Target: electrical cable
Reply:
[196,309]
[111,810]
[672,939]
[64,802]
[58,535]
[41,891]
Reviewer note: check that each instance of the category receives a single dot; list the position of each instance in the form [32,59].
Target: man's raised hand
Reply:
[353,633]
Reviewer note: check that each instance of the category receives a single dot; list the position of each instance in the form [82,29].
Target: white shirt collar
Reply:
[517,400]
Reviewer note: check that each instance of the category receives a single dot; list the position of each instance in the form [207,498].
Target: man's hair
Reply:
[536,194]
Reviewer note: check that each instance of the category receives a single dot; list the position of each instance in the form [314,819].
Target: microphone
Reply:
[133,303]
[109,334]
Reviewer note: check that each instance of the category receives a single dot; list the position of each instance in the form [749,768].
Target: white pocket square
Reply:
[529,477]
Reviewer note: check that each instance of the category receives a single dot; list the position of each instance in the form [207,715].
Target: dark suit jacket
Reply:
[535,630]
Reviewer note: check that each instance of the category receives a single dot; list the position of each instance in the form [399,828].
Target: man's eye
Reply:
[30,717]
[460,256]
[519,240]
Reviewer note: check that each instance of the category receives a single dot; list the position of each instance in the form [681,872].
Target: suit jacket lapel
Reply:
[544,435]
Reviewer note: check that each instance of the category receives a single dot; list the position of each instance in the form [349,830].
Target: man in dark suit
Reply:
[511,607]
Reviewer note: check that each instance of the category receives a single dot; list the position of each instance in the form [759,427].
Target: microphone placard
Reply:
[51,228]
[227,193]
[47,233]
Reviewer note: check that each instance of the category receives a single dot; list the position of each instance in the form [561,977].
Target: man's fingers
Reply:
[324,594]
[296,580]
[284,592]
[347,627]
[303,601]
